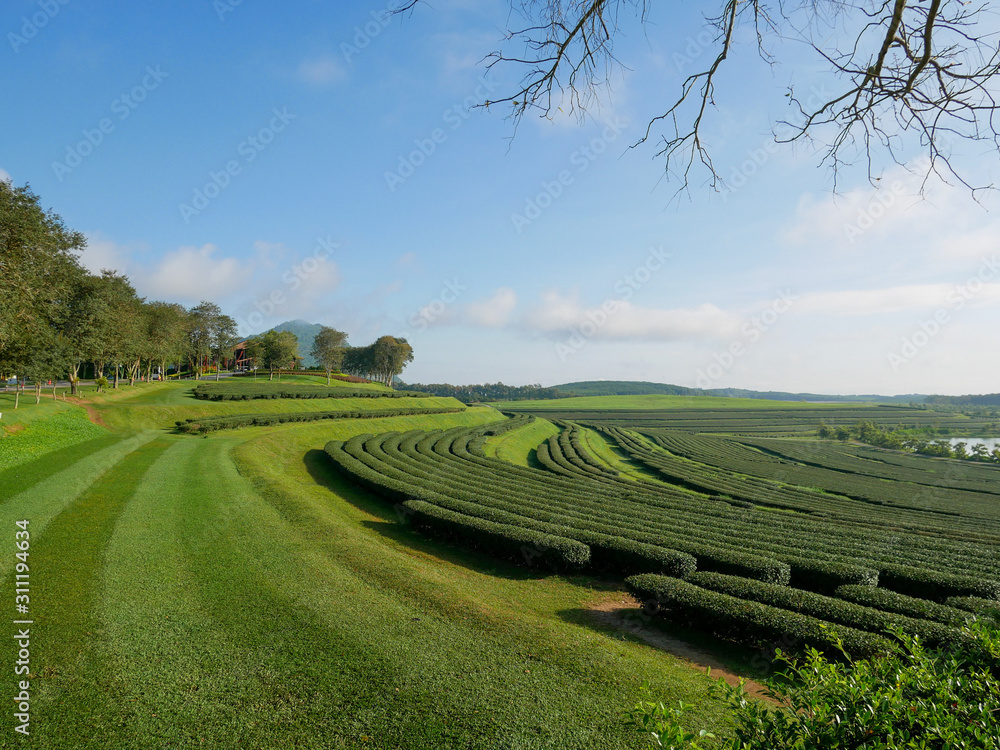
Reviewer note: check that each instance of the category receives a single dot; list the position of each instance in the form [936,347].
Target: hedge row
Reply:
[825,608]
[211,424]
[522,546]
[825,576]
[252,391]
[890,601]
[748,622]
[510,498]
[977,605]
[930,584]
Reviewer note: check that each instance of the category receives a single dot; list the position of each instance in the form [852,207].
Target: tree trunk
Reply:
[328,377]
[74,378]
[53,389]
[17,392]
[38,391]
[116,376]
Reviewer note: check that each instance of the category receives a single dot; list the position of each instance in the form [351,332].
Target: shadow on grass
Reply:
[390,526]
[629,622]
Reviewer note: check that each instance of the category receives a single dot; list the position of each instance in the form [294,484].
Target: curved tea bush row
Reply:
[767,459]
[976,605]
[748,622]
[825,608]
[637,527]
[890,601]
[936,585]
[613,548]
[522,546]
[769,493]
[249,391]
[211,424]
[646,506]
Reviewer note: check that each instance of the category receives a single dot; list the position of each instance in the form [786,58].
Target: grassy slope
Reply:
[665,402]
[518,446]
[232,591]
[34,430]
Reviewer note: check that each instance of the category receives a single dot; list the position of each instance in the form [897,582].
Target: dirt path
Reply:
[92,413]
[620,613]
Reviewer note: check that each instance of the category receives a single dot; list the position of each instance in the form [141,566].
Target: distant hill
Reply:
[643,388]
[626,388]
[306,333]
[987,399]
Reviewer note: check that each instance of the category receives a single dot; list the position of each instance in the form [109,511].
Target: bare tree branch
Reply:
[911,72]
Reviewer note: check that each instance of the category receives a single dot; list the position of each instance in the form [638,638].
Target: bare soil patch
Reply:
[619,613]
[93,414]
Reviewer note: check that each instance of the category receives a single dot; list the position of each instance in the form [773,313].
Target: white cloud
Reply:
[320,71]
[193,273]
[5,176]
[619,320]
[494,311]
[894,299]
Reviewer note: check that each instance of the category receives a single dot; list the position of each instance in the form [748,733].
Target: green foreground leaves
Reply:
[913,699]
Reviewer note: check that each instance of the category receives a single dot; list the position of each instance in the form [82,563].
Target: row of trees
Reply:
[900,439]
[56,317]
[489,391]
[382,361]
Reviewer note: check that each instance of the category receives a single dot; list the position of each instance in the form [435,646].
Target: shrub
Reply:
[906,699]
[890,601]
[521,546]
[930,584]
[625,556]
[825,576]
[747,622]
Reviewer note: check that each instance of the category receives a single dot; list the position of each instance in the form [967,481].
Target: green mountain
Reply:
[306,333]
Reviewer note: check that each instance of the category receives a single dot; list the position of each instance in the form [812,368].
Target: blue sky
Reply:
[321,161]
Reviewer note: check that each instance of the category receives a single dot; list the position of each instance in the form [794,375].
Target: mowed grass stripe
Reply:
[45,499]
[206,648]
[65,565]
[19,478]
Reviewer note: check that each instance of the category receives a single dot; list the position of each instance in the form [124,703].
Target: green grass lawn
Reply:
[518,446]
[233,591]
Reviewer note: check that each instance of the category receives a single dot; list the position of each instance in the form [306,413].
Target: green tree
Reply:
[328,349]
[38,263]
[390,355]
[224,337]
[279,349]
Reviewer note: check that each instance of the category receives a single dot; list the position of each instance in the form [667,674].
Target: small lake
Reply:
[971,442]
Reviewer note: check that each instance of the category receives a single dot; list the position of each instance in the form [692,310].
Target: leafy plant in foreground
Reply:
[912,699]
